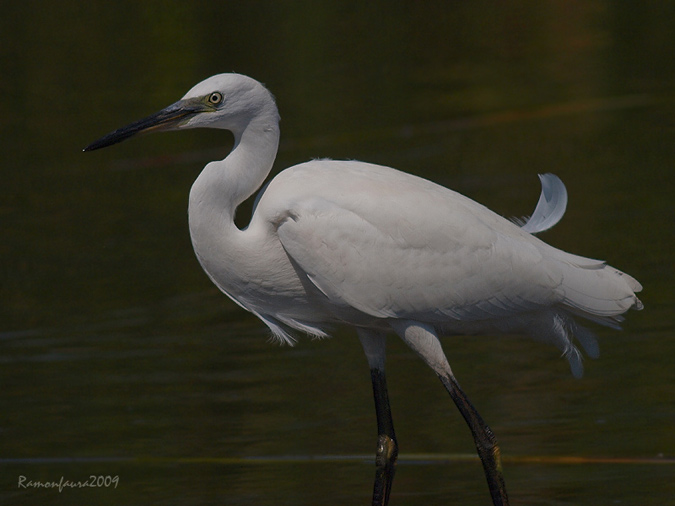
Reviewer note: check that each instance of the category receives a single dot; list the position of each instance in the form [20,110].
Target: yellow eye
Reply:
[215,98]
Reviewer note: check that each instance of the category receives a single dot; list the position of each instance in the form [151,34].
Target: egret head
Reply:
[227,101]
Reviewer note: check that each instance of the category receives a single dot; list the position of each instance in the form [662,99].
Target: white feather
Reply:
[550,207]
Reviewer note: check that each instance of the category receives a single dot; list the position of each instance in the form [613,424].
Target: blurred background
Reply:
[119,358]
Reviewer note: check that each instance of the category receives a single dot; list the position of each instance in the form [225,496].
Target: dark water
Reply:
[119,359]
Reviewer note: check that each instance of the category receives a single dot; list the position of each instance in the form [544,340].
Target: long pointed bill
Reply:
[167,119]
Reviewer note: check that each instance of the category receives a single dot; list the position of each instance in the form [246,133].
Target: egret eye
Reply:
[215,98]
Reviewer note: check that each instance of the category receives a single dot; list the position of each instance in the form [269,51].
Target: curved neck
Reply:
[223,185]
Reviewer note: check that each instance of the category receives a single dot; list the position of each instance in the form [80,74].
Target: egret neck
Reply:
[223,185]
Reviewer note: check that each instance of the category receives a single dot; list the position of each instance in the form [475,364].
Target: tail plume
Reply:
[595,291]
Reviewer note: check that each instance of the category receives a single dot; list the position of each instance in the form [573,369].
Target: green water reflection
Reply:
[116,350]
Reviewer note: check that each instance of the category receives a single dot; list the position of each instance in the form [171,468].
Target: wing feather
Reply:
[416,251]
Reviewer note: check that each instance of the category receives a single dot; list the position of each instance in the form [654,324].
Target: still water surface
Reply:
[118,357]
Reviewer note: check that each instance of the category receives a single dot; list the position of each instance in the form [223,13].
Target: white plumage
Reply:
[333,242]
[377,244]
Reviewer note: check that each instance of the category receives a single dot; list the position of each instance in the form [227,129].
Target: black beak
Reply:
[168,118]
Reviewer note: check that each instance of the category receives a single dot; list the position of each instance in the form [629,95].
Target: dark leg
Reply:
[373,343]
[485,440]
[387,448]
[423,339]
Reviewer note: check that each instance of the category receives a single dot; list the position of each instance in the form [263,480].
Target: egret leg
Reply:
[423,339]
[387,448]
[484,438]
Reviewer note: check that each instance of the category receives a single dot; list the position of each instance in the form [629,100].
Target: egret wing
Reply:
[415,250]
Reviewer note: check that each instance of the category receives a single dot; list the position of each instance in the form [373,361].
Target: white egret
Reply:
[347,242]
